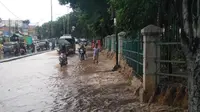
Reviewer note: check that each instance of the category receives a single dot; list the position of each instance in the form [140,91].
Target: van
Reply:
[71,40]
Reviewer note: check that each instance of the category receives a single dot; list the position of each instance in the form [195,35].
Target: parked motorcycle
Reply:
[63,59]
[22,51]
[81,54]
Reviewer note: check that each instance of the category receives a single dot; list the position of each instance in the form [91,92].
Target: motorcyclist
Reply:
[63,49]
[83,48]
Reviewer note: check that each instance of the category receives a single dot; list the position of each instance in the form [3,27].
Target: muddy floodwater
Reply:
[38,84]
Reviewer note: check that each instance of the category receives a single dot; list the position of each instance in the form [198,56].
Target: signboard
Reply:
[6,33]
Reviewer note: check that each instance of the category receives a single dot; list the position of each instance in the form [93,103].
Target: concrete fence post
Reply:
[112,42]
[108,42]
[121,35]
[105,42]
[151,51]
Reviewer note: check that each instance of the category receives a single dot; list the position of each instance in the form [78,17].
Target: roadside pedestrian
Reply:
[93,44]
[96,54]
[50,45]
[1,51]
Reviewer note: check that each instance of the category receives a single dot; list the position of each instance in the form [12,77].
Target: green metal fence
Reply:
[108,43]
[133,53]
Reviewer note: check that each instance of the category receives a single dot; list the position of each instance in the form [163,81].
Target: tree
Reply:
[60,26]
[96,14]
[190,14]
[26,22]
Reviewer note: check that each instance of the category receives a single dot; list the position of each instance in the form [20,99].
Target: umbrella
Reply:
[63,41]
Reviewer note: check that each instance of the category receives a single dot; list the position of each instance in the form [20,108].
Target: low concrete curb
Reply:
[19,57]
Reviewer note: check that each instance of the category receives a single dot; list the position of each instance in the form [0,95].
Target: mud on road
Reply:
[38,84]
[95,88]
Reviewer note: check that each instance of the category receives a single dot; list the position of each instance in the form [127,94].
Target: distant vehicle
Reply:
[83,42]
[42,45]
[76,40]
[71,40]
[22,48]
[64,42]
[9,47]
[53,41]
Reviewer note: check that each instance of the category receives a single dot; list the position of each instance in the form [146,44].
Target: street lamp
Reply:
[116,35]
[72,31]
[68,20]
[73,28]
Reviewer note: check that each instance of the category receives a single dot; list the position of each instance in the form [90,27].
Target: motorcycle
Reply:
[22,51]
[81,54]
[63,59]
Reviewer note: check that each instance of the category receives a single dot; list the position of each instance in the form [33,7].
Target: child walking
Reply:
[96,54]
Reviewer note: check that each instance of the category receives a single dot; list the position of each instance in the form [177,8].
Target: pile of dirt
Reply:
[171,95]
[109,55]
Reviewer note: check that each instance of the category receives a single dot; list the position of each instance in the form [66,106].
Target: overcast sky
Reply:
[34,10]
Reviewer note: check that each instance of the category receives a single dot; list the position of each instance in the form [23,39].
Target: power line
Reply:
[9,9]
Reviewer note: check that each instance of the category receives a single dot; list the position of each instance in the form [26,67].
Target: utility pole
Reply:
[198,15]
[9,27]
[68,23]
[64,25]
[51,19]
[16,25]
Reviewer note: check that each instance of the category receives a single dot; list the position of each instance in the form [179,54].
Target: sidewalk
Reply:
[19,57]
[101,90]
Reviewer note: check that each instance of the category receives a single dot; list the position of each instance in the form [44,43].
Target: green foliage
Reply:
[94,14]
[61,26]
[131,14]
[135,14]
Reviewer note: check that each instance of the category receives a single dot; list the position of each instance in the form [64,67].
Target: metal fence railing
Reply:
[108,43]
[171,61]
[132,51]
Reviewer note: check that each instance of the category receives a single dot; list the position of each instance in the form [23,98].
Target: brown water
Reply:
[38,84]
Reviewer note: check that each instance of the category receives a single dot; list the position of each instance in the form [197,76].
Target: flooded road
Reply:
[38,84]
[31,84]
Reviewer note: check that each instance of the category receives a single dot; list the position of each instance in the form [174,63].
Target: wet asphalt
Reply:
[32,84]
